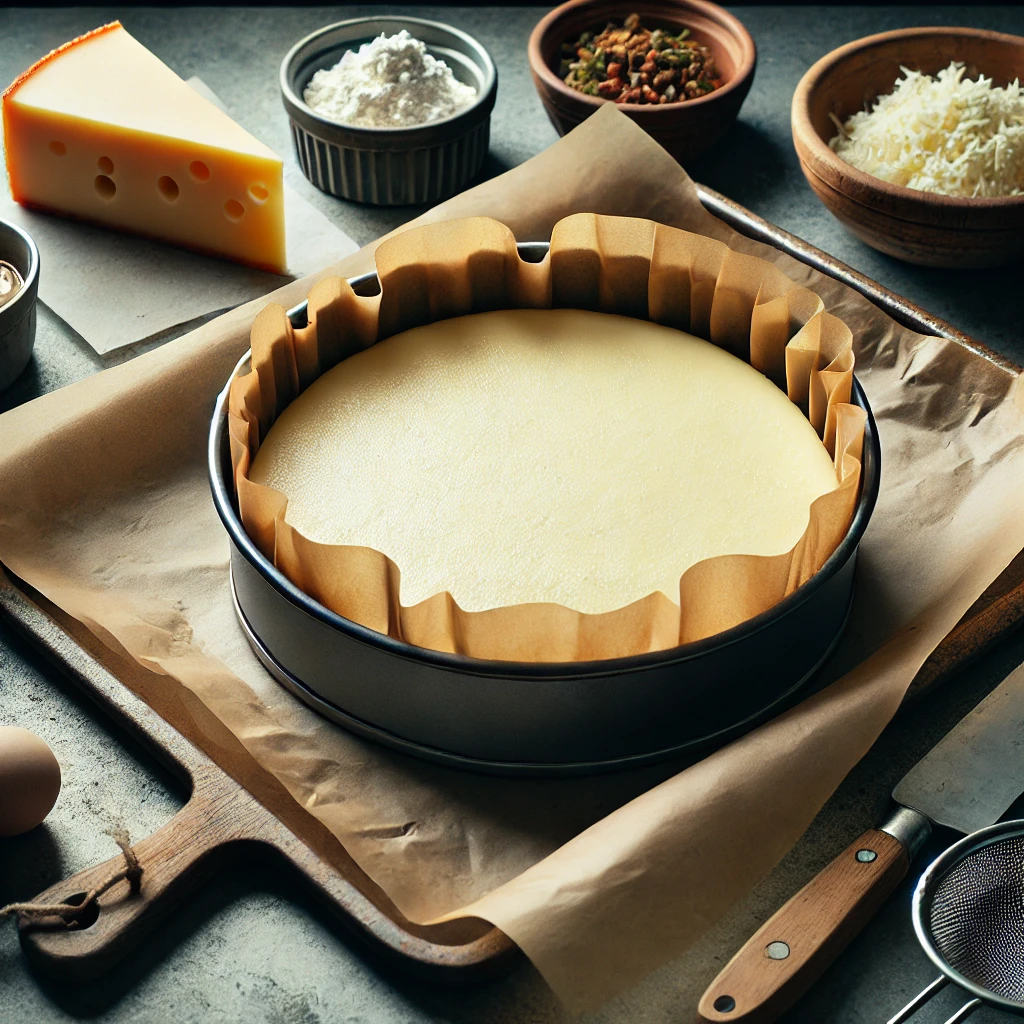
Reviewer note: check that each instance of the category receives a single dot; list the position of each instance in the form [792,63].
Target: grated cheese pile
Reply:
[391,82]
[946,134]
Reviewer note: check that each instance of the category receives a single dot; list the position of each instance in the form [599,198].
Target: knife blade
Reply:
[966,781]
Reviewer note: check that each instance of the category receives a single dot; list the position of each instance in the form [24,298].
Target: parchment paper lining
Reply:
[105,509]
[621,265]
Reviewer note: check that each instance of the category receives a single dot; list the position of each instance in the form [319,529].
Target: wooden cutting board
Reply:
[224,819]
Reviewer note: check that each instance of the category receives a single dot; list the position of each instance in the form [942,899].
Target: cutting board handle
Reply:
[792,949]
[175,861]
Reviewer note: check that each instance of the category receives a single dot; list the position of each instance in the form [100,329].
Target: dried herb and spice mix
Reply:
[631,64]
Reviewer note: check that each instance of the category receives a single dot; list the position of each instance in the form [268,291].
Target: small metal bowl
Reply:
[390,166]
[551,718]
[18,316]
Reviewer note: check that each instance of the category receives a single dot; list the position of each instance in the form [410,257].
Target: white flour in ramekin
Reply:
[391,82]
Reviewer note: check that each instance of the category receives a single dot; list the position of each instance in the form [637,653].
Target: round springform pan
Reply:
[537,718]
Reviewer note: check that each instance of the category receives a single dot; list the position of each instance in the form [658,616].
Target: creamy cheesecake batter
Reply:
[546,455]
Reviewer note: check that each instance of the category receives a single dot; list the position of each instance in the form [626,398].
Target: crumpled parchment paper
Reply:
[105,509]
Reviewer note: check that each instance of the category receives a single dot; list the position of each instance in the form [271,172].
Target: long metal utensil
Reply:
[965,782]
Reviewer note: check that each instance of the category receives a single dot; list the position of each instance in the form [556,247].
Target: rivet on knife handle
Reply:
[792,949]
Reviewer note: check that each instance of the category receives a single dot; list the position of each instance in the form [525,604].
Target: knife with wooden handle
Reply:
[966,781]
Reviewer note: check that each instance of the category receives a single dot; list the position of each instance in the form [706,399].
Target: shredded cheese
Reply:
[946,134]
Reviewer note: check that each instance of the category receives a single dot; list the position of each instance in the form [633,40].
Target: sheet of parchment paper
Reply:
[116,290]
[599,880]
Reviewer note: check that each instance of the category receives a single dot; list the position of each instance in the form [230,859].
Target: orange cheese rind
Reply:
[9,92]
[53,54]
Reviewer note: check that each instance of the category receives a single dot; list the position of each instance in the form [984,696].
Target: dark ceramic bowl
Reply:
[685,129]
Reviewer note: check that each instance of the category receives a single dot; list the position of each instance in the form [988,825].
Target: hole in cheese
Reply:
[259,193]
[105,164]
[199,170]
[168,188]
[58,148]
[233,209]
[105,187]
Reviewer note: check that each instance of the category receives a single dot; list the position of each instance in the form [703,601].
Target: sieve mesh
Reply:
[976,917]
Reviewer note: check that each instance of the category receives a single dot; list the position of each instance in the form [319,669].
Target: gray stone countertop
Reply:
[251,945]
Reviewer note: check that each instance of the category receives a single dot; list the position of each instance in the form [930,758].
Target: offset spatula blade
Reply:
[976,771]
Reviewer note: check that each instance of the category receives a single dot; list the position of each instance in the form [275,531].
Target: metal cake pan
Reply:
[536,718]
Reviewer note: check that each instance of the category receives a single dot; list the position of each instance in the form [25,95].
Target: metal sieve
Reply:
[969,918]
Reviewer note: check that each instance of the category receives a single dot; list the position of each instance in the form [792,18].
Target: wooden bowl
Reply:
[920,227]
[686,128]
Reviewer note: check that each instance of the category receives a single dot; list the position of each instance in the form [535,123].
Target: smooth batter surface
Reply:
[546,455]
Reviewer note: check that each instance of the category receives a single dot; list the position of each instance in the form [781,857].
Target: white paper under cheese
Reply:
[546,455]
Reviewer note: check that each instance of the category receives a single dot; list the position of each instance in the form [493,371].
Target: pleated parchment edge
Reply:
[620,265]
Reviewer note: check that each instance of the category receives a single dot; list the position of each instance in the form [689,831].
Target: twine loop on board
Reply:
[131,872]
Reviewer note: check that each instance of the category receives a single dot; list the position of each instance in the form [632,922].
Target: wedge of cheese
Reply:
[546,455]
[102,130]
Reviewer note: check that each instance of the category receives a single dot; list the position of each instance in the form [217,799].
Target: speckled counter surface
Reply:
[251,946]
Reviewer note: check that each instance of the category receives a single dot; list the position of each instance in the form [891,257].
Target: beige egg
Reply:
[29,780]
